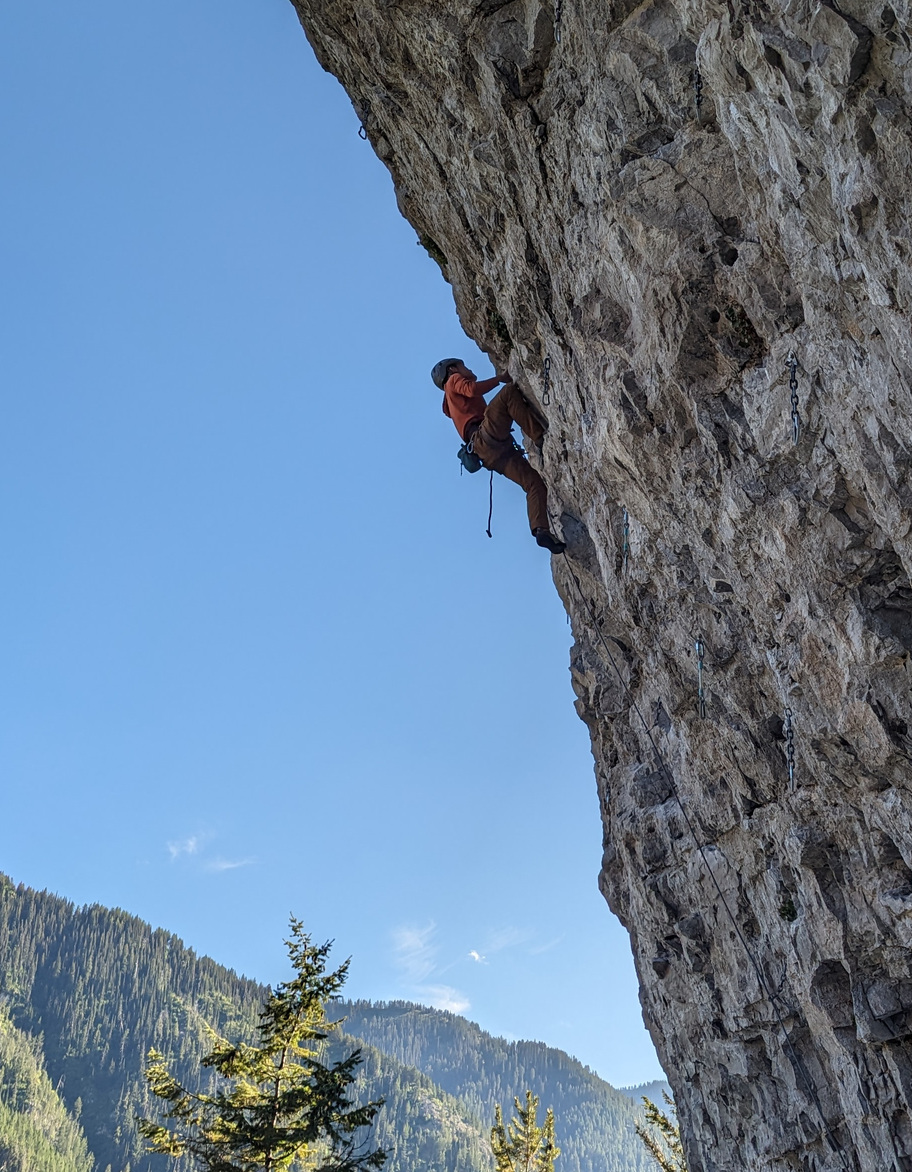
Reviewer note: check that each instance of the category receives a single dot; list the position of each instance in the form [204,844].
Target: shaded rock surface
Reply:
[667,255]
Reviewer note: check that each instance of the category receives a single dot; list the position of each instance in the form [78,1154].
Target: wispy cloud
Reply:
[226,864]
[545,947]
[415,955]
[445,997]
[508,937]
[184,846]
[477,957]
[194,850]
[414,951]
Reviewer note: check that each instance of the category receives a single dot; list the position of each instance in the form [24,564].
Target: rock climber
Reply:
[487,428]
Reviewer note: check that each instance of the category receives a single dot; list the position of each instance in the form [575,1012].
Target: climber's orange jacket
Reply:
[463,402]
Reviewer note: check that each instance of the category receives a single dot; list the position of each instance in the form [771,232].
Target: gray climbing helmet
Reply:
[439,373]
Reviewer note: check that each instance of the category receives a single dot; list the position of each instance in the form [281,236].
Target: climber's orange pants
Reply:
[494,447]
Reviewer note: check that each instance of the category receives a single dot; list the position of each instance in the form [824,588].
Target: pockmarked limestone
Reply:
[667,200]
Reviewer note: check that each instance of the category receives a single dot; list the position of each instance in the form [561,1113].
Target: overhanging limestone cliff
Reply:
[667,254]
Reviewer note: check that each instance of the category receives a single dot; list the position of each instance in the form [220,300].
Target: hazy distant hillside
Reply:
[595,1122]
[92,989]
[649,1090]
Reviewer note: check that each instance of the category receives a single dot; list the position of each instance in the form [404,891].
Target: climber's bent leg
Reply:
[509,406]
[518,469]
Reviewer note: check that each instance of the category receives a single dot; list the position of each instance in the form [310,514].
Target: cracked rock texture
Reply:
[667,255]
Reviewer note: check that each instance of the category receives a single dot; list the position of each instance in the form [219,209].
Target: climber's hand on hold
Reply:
[504,376]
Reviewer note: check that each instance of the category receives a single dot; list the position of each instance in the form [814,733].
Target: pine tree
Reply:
[664,1143]
[281,1106]
[523,1146]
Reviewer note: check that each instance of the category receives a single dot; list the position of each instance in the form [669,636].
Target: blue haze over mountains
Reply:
[86,991]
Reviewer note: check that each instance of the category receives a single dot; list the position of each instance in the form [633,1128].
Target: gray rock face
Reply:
[664,202]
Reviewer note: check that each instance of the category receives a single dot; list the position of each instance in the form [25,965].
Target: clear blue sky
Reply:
[258,654]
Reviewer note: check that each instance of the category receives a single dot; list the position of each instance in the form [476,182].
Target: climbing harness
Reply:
[790,747]
[792,363]
[772,995]
[701,695]
[490,504]
[558,16]
[625,548]
[698,88]
[546,382]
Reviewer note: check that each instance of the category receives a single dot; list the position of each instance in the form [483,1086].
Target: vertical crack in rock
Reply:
[668,257]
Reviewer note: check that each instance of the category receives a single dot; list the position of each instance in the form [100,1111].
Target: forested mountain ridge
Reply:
[92,989]
[595,1122]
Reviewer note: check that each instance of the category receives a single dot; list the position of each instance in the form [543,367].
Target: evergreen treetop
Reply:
[663,1142]
[521,1145]
[282,1106]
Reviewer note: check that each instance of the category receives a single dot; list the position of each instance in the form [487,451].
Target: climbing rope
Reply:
[490,504]
[772,995]
[792,363]
[558,17]
[362,133]
[698,89]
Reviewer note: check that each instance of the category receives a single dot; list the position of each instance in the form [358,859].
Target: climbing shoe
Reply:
[546,539]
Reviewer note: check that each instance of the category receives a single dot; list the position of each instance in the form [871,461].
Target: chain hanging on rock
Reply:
[790,747]
[698,89]
[625,548]
[546,383]
[701,694]
[792,363]
[558,16]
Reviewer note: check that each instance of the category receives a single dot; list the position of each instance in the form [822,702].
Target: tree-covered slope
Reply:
[37,1133]
[595,1122]
[101,987]
[95,989]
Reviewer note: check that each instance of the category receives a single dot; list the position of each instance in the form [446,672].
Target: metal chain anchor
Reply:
[790,747]
[701,694]
[625,548]
[698,88]
[792,363]
[546,383]
[558,16]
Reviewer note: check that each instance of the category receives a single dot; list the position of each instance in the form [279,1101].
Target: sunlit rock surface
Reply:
[667,254]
